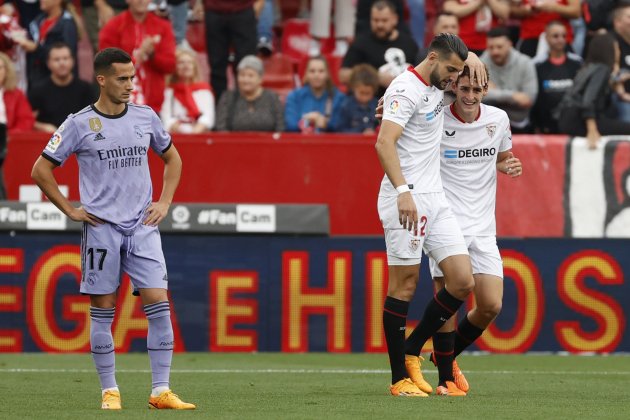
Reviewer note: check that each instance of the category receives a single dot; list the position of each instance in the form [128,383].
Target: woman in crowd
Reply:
[15,111]
[56,23]
[188,105]
[309,108]
[586,108]
[250,107]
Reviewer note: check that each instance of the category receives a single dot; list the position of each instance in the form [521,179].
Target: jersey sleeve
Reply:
[399,105]
[64,142]
[506,135]
[160,139]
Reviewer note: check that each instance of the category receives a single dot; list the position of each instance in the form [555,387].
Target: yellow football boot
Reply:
[450,390]
[168,400]
[406,388]
[460,379]
[413,364]
[111,400]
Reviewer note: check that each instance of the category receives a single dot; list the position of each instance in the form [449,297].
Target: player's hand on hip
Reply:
[155,213]
[378,112]
[407,212]
[80,215]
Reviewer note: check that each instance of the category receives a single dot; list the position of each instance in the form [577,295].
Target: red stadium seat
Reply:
[296,38]
[279,72]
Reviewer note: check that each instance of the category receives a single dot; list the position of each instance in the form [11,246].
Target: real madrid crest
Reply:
[95,124]
[138,131]
[491,129]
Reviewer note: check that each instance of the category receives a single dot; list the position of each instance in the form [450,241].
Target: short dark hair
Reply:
[619,7]
[384,4]
[105,58]
[445,44]
[601,50]
[57,46]
[498,32]
[364,74]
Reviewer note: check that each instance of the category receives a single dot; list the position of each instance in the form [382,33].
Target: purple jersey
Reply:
[114,179]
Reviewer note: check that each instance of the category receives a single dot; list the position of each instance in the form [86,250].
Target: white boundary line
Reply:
[322,371]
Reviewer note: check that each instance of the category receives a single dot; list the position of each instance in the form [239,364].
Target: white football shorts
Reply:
[484,257]
[438,232]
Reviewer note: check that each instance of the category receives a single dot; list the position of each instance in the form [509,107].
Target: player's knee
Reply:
[491,310]
[462,286]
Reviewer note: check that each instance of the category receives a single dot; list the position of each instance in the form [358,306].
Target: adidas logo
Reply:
[98,137]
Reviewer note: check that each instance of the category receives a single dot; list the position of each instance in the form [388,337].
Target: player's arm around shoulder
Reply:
[157,211]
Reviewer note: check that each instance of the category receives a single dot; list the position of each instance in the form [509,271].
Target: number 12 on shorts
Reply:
[101,257]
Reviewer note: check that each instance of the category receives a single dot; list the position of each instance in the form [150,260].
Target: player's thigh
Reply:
[404,247]
[444,238]
[100,259]
[484,255]
[144,262]
[488,293]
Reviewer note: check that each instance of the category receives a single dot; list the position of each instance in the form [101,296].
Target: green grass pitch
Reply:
[318,386]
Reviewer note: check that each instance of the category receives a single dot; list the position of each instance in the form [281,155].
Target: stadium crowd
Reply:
[557,66]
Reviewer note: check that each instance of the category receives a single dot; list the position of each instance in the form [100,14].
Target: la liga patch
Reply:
[54,142]
[393,106]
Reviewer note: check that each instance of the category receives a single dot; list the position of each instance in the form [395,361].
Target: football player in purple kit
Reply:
[111,140]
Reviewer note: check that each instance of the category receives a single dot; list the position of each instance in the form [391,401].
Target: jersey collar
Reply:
[122,114]
[413,70]
[456,115]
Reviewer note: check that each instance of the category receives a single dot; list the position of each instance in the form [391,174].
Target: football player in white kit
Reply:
[476,142]
[414,211]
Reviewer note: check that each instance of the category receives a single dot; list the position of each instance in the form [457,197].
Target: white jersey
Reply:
[416,106]
[469,155]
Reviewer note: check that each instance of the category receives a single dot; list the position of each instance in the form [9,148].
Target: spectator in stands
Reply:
[56,23]
[621,24]
[229,24]
[444,23]
[10,30]
[188,101]
[308,109]
[266,10]
[320,25]
[555,76]
[476,18]
[384,47]
[584,108]
[178,14]
[27,10]
[535,14]
[514,85]
[150,42]
[356,112]
[417,20]
[96,13]
[15,111]
[250,107]
[44,97]
[364,12]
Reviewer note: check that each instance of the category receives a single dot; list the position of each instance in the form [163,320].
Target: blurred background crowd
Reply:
[556,66]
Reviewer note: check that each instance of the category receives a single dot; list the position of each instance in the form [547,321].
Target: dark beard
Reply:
[434,79]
